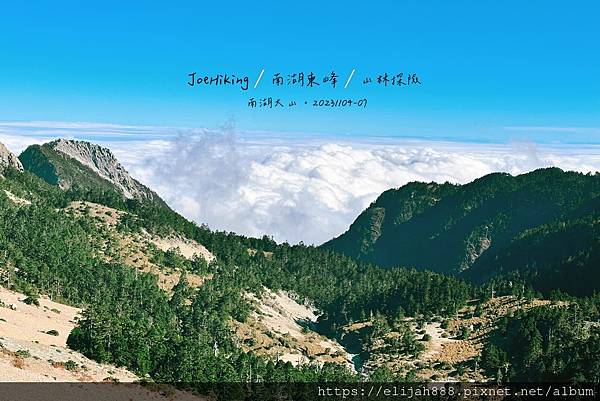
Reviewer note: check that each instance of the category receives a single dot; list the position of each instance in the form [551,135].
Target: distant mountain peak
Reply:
[8,159]
[474,229]
[66,162]
[103,162]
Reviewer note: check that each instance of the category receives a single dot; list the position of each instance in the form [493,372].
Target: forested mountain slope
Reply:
[51,245]
[88,245]
[541,226]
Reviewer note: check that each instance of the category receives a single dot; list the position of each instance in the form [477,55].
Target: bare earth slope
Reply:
[34,345]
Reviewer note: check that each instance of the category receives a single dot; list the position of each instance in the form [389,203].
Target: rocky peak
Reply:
[104,163]
[7,159]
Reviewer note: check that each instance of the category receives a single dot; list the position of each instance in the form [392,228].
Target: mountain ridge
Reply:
[461,229]
[82,164]
[245,309]
[98,252]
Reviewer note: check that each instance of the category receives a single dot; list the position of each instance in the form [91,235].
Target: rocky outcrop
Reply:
[7,159]
[102,162]
[85,166]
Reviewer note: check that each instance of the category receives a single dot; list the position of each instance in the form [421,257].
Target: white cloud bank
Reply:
[312,192]
[306,190]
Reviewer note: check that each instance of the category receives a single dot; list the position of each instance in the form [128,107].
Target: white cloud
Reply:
[305,190]
[95,132]
[311,192]
[18,143]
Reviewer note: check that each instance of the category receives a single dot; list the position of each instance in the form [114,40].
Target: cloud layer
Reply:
[301,188]
[312,192]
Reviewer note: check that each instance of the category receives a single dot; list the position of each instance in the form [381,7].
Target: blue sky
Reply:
[491,71]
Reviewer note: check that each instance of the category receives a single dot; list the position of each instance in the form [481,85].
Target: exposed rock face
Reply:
[7,159]
[103,162]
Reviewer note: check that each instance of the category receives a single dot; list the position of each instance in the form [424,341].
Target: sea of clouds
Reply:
[299,189]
